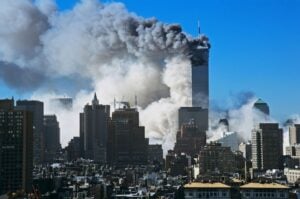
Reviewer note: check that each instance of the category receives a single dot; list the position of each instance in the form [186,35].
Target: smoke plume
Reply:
[99,48]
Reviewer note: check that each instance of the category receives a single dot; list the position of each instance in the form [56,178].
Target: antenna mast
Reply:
[135,101]
[198,27]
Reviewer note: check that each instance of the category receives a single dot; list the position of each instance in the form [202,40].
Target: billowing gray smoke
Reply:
[20,78]
[118,53]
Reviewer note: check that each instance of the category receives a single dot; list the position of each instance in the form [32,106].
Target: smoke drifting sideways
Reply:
[243,118]
[99,48]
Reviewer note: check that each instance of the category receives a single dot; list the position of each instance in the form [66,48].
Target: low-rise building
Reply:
[292,175]
[264,190]
[207,190]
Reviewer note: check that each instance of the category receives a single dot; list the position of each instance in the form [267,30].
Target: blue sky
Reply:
[255,45]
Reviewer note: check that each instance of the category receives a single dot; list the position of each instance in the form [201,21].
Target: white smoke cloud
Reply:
[107,50]
[242,119]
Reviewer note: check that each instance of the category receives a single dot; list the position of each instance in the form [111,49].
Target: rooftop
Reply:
[263,186]
[260,101]
[216,185]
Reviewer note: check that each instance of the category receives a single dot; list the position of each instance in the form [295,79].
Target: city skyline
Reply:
[99,99]
[249,30]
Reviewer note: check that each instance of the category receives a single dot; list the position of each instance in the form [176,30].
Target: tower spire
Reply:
[95,100]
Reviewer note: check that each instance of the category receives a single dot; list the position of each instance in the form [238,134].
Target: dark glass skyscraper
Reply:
[16,131]
[51,138]
[37,109]
[262,106]
[199,50]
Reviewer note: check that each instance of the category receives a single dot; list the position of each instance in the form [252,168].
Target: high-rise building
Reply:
[246,149]
[199,54]
[81,133]
[214,158]
[155,153]
[37,108]
[267,146]
[294,134]
[16,141]
[51,138]
[199,50]
[128,138]
[262,106]
[64,102]
[94,129]
[198,114]
[73,149]
[189,139]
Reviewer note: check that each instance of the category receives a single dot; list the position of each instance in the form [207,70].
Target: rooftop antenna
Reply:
[135,101]
[114,103]
[199,28]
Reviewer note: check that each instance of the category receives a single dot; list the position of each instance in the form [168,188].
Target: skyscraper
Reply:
[197,114]
[267,146]
[294,134]
[190,139]
[16,163]
[37,108]
[262,106]
[94,130]
[199,50]
[51,138]
[199,54]
[128,138]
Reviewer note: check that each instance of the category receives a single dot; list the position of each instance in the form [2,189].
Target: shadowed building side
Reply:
[16,148]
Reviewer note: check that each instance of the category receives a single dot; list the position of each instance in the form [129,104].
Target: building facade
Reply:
[294,134]
[199,50]
[73,149]
[198,114]
[216,159]
[94,129]
[16,148]
[189,139]
[246,149]
[37,108]
[214,190]
[262,106]
[51,138]
[128,143]
[267,146]
[264,191]
[155,153]
[229,139]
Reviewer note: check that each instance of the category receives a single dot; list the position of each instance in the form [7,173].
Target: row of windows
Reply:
[205,194]
[265,195]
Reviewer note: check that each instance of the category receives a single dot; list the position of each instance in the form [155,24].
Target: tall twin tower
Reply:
[199,51]
[193,120]
[198,112]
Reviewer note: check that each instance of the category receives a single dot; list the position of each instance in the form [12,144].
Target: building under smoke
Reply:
[199,50]
[94,130]
[189,139]
[229,139]
[262,106]
[65,102]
